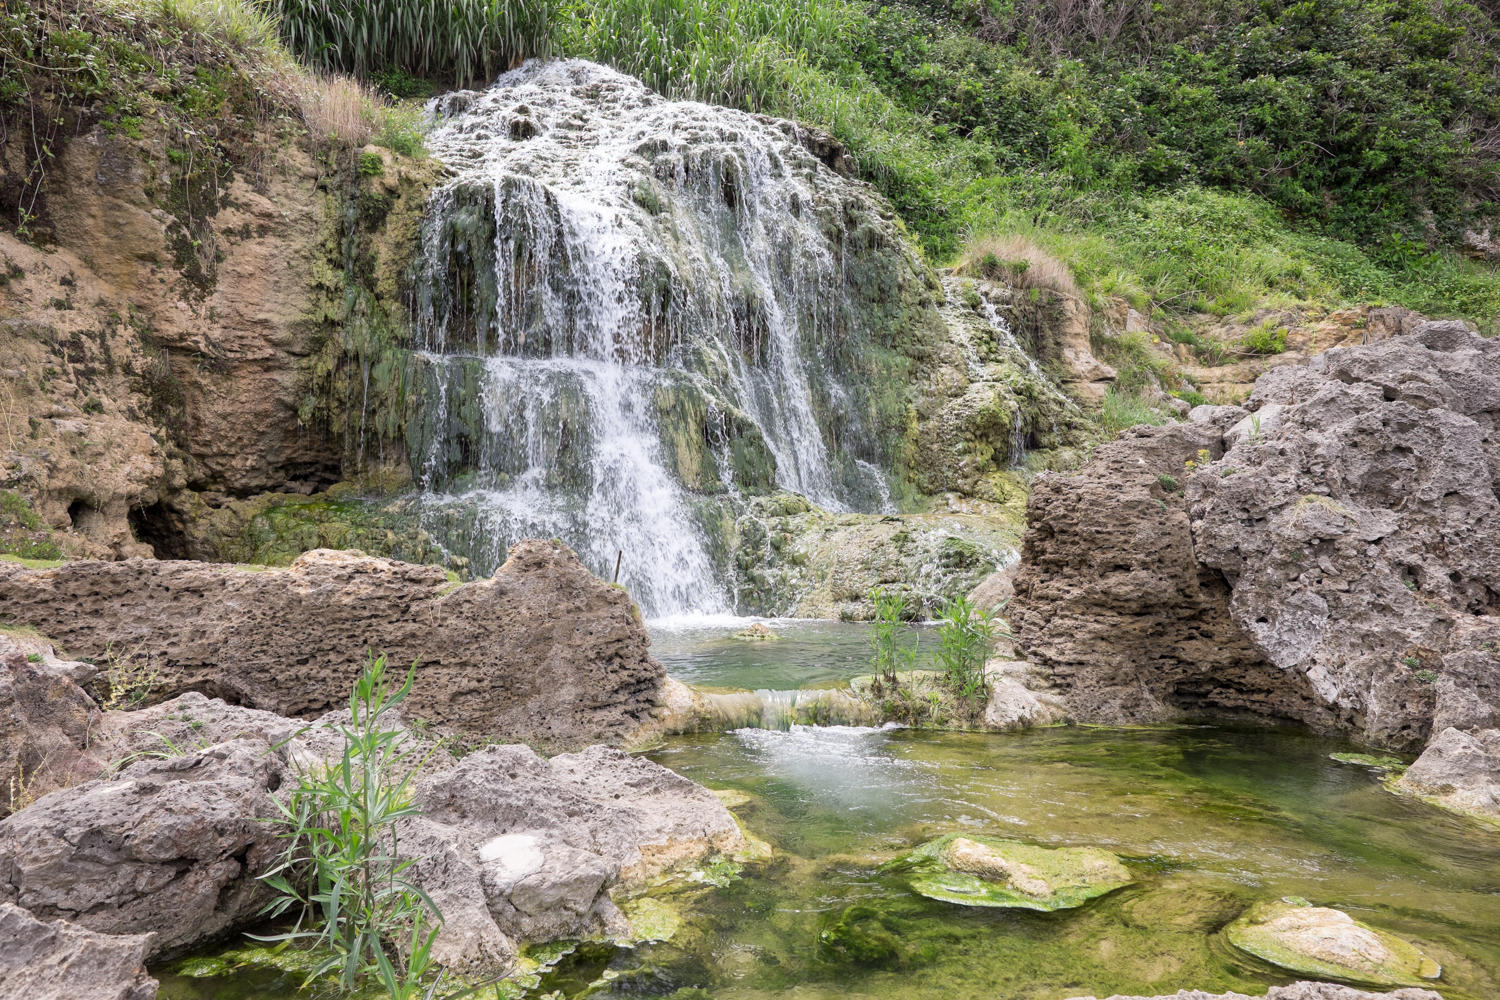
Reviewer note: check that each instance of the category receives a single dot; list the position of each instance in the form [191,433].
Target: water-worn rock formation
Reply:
[56,960]
[1332,557]
[1458,771]
[544,651]
[47,722]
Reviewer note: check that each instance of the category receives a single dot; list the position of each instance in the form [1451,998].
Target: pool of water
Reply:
[1209,819]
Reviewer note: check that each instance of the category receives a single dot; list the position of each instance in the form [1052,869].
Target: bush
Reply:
[1265,340]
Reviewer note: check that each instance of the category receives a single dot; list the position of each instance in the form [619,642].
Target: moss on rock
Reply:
[984,871]
[1324,942]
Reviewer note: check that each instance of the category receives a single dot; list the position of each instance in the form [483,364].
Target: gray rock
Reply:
[1342,570]
[1459,771]
[167,846]
[1296,991]
[518,849]
[1219,417]
[544,651]
[46,724]
[57,960]
[996,589]
[1255,426]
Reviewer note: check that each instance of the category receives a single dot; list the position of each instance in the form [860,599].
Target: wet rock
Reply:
[1152,589]
[1296,991]
[46,722]
[1328,942]
[757,632]
[1459,771]
[56,960]
[170,846]
[983,871]
[517,849]
[544,651]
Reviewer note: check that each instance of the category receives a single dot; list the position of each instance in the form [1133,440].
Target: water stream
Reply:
[1208,818]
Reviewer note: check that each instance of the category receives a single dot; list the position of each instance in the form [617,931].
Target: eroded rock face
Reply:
[47,722]
[1459,771]
[518,849]
[1338,565]
[169,846]
[56,960]
[544,651]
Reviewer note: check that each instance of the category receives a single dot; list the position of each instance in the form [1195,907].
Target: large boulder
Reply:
[516,849]
[543,652]
[47,722]
[56,960]
[1334,560]
[1459,771]
[171,846]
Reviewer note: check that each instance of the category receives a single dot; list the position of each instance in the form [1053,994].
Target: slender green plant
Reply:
[966,635]
[888,652]
[342,865]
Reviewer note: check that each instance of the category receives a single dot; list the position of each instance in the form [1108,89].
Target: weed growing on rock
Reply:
[129,678]
[342,863]
[965,637]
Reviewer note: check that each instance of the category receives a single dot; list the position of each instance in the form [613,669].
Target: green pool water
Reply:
[1209,819]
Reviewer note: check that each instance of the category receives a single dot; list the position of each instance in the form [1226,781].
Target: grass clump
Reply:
[342,867]
[23,536]
[1265,340]
[1122,410]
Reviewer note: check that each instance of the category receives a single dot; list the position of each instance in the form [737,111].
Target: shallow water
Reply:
[1209,819]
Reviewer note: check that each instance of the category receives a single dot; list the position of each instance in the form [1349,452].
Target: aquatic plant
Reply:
[342,863]
[888,653]
[966,636]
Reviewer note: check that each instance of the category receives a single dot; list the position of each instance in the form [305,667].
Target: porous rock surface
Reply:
[544,651]
[47,722]
[56,960]
[516,848]
[1296,991]
[167,846]
[1459,771]
[1335,561]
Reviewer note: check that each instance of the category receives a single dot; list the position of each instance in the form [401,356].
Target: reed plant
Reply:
[466,41]
[889,653]
[342,867]
[966,636]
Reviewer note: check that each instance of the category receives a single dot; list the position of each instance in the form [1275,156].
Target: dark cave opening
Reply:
[155,527]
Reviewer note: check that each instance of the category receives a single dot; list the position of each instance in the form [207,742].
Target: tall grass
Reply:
[466,41]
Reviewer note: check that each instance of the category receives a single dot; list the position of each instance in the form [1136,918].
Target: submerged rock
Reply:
[1460,772]
[1336,563]
[983,871]
[1296,991]
[56,960]
[545,651]
[757,632]
[1328,942]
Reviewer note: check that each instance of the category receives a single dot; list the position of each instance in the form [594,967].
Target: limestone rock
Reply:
[544,651]
[56,960]
[1296,991]
[983,871]
[756,632]
[169,846]
[46,722]
[1340,569]
[996,589]
[517,849]
[1328,942]
[1459,771]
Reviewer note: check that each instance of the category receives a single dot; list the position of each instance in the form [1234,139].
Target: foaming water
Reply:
[620,294]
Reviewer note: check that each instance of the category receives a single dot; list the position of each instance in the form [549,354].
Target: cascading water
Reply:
[627,304]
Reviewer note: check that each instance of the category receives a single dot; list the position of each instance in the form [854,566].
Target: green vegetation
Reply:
[23,536]
[966,635]
[342,864]
[889,653]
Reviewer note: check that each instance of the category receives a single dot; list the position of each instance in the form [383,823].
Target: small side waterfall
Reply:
[626,305]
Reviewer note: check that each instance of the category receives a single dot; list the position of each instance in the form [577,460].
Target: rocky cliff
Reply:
[1330,554]
[544,652]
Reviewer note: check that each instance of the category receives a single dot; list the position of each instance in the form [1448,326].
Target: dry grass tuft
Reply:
[338,109]
[1018,262]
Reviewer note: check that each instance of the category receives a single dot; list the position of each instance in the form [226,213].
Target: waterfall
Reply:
[626,305]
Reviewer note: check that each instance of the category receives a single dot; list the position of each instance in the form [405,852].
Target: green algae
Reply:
[1383,763]
[974,870]
[1328,943]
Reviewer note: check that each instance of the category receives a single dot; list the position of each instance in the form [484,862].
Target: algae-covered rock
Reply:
[1323,941]
[758,632]
[1381,763]
[983,871]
